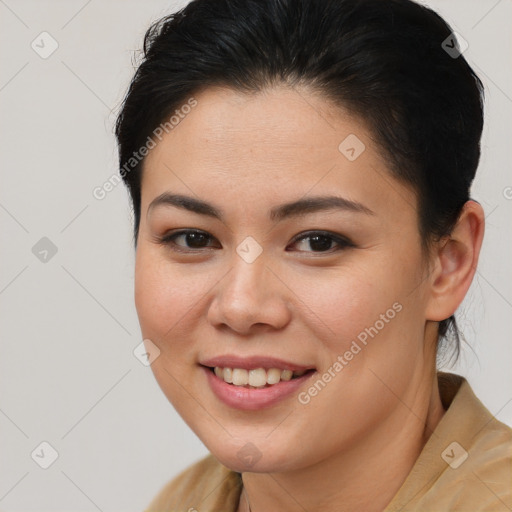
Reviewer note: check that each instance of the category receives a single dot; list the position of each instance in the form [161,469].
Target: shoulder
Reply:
[484,471]
[206,485]
[478,471]
[467,462]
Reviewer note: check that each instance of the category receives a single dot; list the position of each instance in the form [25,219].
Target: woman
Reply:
[300,174]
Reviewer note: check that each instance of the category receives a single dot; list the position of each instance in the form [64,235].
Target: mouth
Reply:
[255,388]
[256,378]
[254,382]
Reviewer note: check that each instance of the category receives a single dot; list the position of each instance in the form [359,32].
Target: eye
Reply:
[189,240]
[194,240]
[321,242]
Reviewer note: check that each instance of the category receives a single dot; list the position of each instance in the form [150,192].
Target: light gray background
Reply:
[67,372]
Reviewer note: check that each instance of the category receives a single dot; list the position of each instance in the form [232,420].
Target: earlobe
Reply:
[456,259]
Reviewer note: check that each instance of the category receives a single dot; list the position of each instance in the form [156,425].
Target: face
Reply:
[271,242]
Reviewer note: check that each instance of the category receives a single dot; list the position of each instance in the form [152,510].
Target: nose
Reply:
[250,298]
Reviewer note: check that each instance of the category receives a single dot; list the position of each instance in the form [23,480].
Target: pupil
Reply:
[195,239]
[320,243]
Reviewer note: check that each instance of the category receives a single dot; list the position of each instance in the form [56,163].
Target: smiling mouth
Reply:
[258,378]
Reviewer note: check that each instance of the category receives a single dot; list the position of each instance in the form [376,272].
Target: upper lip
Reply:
[252,362]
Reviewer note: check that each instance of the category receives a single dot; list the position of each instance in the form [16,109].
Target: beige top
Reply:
[465,466]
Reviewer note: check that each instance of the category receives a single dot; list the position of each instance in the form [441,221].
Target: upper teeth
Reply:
[257,378]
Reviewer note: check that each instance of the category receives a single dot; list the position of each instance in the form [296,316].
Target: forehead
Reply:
[277,144]
[276,126]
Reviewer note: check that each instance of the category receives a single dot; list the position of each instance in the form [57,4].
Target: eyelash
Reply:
[169,240]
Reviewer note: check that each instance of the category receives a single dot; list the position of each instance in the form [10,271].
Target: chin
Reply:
[254,456]
[249,459]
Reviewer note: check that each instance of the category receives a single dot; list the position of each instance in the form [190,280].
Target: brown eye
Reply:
[189,240]
[321,241]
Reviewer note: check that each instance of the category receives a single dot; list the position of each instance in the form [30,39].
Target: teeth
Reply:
[273,376]
[286,374]
[240,377]
[228,375]
[256,378]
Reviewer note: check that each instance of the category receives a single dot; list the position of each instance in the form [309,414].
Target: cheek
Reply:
[167,298]
[345,302]
[152,295]
[369,303]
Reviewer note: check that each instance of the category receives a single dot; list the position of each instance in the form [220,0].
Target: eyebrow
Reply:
[291,209]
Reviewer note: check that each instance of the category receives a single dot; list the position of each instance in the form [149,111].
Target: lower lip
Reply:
[252,399]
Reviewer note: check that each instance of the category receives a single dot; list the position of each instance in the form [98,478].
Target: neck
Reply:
[364,477]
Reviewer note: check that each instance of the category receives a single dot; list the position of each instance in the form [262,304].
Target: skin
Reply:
[352,446]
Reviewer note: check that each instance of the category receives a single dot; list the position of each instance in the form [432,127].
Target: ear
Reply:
[454,263]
